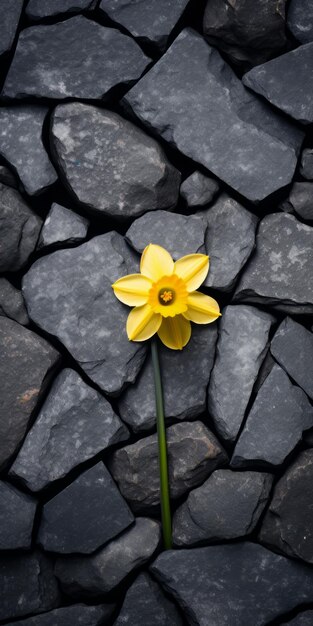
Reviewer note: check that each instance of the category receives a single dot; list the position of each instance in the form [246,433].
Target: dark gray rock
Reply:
[78,614]
[19,230]
[306,168]
[288,522]
[193,454]
[300,20]
[279,274]
[25,362]
[292,347]
[17,512]
[233,584]
[76,58]
[89,320]
[146,604]
[302,619]
[249,31]
[74,424]
[279,415]
[85,515]
[286,82]
[216,121]
[241,348]
[38,9]
[228,505]
[198,189]
[99,573]
[22,147]
[62,225]
[12,303]
[10,17]
[265,370]
[110,165]
[301,200]
[27,585]
[7,177]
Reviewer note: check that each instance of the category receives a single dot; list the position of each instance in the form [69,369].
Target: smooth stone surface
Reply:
[22,147]
[74,424]
[78,614]
[301,200]
[99,573]
[241,348]
[89,321]
[17,512]
[19,230]
[198,189]
[216,121]
[286,82]
[38,9]
[181,401]
[26,361]
[278,417]
[279,274]
[300,20]
[228,505]
[7,177]
[10,17]
[233,584]
[110,165]
[193,454]
[62,225]
[287,525]
[72,59]
[85,515]
[12,303]
[293,339]
[306,167]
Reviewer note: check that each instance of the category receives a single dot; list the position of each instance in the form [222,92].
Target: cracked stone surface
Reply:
[291,338]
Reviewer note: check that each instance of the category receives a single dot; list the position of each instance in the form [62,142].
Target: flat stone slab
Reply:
[300,20]
[38,9]
[62,225]
[198,189]
[12,303]
[17,513]
[216,121]
[76,58]
[78,614]
[291,338]
[10,18]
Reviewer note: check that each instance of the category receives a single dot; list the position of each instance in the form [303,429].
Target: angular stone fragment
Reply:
[89,319]
[10,17]
[22,147]
[279,274]
[7,177]
[62,225]
[279,415]
[99,573]
[17,512]
[233,584]
[76,58]
[241,348]
[306,167]
[76,614]
[193,454]
[198,189]
[25,362]
[85,515]
[38,9]
[12,303]
[216,121]
[292,347]
[110,165]
[300,20]
[301,200]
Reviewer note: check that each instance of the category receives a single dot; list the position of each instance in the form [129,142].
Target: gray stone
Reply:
[10,17]
[99,573]
[301,200]
[7,177]
[74,424]
[228,505]
[216,121]
[198,189]
[278,417]
[233,584]
[26,361]
[286,82]
[62,225]
[17,512]
[12,303]
[300,20]
[302,619]
[292,347]
[22,147]
[19,230]
[306,167]
[279,274]
[76,614]
[69,294]
[76,58]
[241,348]
[38,9]
[265,370]
[193,454]
[110,165]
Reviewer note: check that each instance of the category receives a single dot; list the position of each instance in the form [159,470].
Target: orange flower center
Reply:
[166,296]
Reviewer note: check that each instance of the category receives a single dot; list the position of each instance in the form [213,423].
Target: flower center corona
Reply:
[166,296]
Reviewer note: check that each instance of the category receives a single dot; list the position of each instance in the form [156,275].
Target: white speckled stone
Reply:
[62,225]
[300,20]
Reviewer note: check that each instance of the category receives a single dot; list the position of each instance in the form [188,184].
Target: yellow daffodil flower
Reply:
[164,297]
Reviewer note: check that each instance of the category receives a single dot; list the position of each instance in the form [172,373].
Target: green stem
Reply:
[164,484]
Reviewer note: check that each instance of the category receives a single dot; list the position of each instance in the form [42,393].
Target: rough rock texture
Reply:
[279,274]
[301,200]
[228,505]
[17,512]
[7,177]
[12,303]
[241,348]
[10,17]
[37,9]
[74,424]
[198,189]
[300,20]
[302,619]
[233,584]
[25,362]
[72,59]
[216,121]
[306,168]
[293,339]
[62,225]
[110,165]
[89,321]
[99,573]
[279,415]
[78,614]
[193,453]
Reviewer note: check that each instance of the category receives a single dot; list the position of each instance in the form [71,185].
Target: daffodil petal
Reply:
[193,269]
[142,323]
[175,332]
[202,309]
[156,262]
[133,289]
